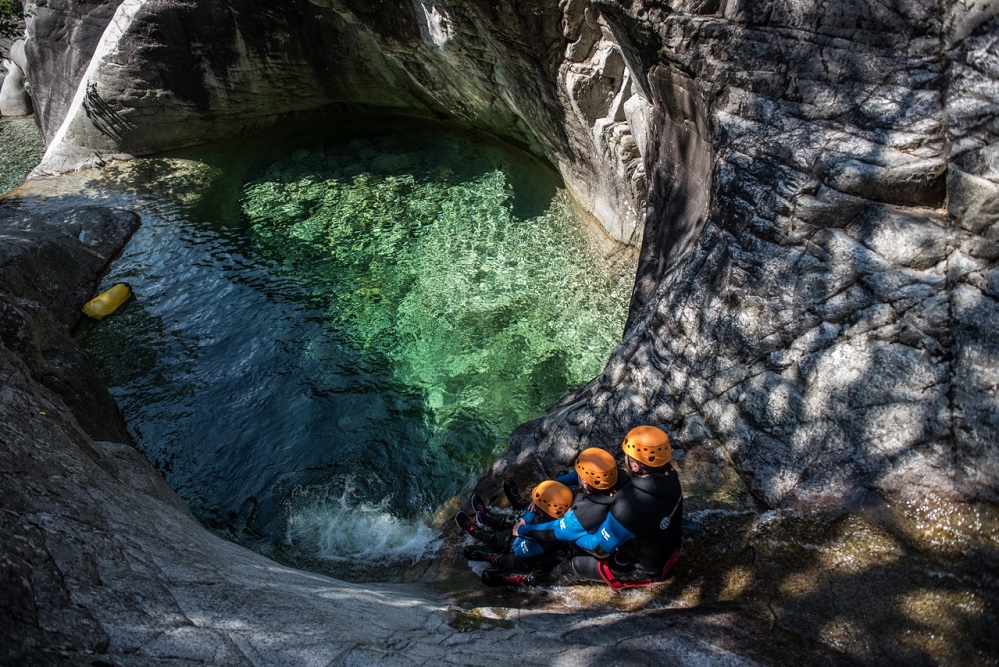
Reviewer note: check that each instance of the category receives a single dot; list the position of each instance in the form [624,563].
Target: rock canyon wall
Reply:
[815,187]
[819,253]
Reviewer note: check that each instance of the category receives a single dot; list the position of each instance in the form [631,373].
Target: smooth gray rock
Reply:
[14,98]
[815,186]
[18,55]
[62,37]
[53,256]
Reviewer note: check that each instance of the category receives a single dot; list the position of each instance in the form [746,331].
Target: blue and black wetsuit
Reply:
[529,553]
[589,511]
[521,554]
[635,532]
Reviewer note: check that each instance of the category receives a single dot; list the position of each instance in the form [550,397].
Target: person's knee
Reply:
[562,574]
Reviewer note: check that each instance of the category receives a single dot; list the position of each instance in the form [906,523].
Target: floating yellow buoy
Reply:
[104,304]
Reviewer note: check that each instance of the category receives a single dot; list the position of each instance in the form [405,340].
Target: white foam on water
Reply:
[337,527]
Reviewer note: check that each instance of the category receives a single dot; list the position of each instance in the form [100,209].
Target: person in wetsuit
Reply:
[596,474]
[511,554]
[638,540]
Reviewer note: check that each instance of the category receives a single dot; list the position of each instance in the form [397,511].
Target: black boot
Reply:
[513,495]
[560,575]
[486,517]
[481,511]
[466,524]
[501,578]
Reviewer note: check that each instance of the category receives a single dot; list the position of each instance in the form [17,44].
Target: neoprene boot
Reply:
[487,517]
[513,495]
[466,524]
[481,511]
[501,578]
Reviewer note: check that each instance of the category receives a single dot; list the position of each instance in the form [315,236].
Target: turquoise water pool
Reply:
[335,332]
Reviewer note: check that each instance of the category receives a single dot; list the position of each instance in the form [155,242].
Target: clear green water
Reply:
[333,334]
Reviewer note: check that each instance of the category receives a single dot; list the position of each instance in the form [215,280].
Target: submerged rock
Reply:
[22,147]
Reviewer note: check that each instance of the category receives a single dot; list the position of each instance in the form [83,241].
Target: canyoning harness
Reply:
[616,585]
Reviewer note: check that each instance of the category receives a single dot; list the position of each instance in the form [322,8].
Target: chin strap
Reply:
[617,585]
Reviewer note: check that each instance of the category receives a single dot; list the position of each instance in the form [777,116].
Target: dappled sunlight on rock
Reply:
[736,583]
[935,617]
[849,579]
[954,529]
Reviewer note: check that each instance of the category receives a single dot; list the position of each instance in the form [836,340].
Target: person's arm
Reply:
[566,529]
[539,531]
[609,536]
[570,478]
[527,517]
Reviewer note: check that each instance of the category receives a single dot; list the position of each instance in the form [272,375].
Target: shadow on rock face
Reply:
[867,585]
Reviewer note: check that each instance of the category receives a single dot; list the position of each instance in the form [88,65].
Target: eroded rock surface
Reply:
[822,321]
[826,325]
[814,315]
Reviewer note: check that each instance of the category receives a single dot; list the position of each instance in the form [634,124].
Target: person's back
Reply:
[640,540]
[650,507]
[596,472]
[596,475]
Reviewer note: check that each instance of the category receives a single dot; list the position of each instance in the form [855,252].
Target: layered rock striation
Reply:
[814,186]
[815,296]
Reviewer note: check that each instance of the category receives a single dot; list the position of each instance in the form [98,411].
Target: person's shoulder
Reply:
[655,483]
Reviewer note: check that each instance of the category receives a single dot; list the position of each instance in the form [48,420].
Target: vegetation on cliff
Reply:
[11,16]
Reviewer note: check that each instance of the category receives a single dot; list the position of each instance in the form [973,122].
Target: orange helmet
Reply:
[554,498]
[648,445]
[597,468]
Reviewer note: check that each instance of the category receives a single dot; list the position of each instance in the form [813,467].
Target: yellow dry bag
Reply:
[104,304]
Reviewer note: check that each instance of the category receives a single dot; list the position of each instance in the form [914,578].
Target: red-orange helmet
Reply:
[597,468]
[648,445]
[553,498]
